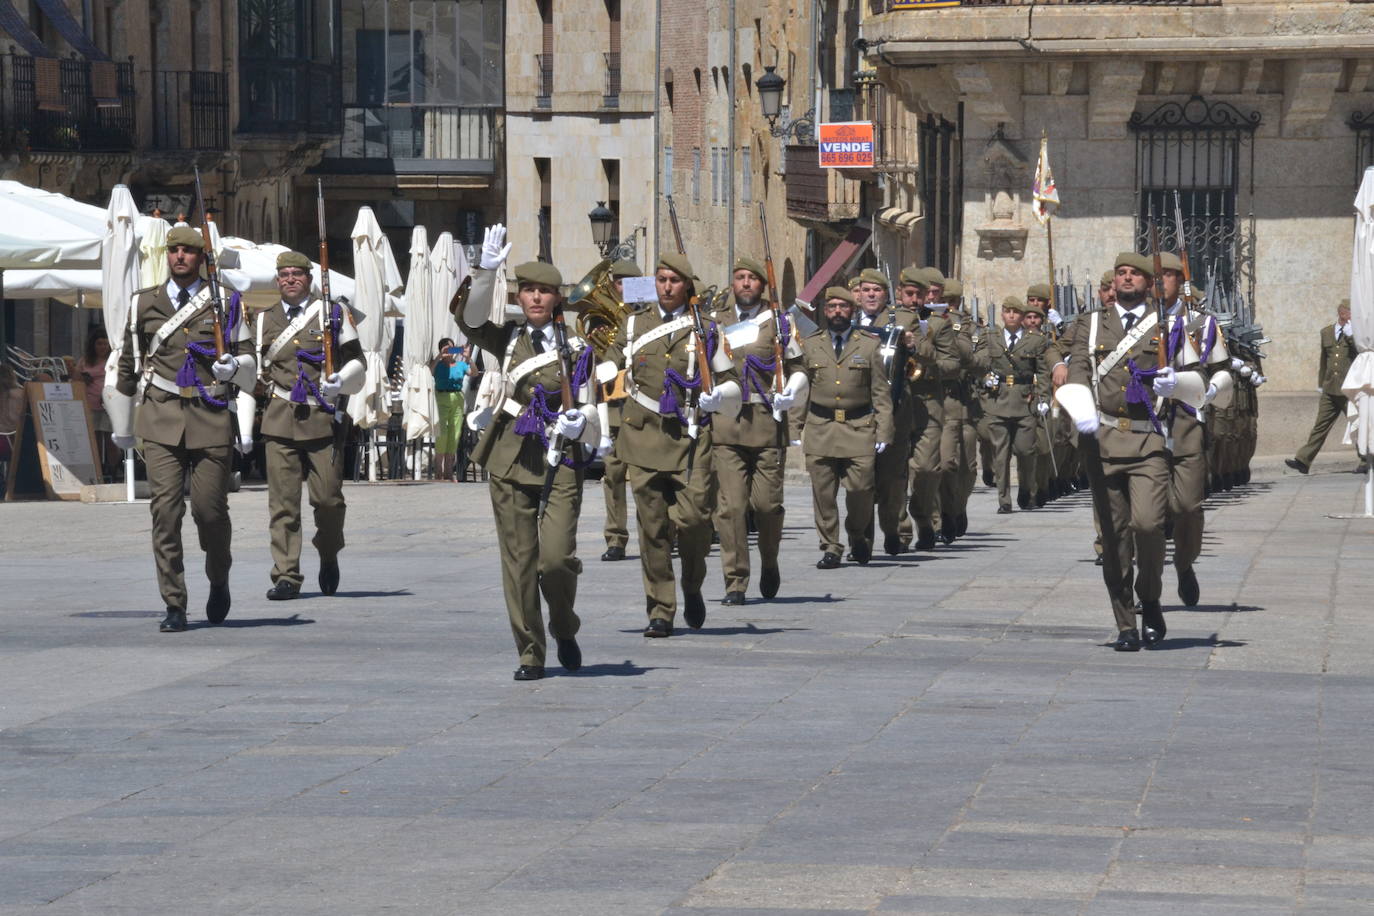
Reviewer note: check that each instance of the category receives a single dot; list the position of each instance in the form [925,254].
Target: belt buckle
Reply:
[839,414]
[1124,424]
[188,392]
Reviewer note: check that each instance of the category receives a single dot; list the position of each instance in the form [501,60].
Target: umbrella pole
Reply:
[129,475]
[372,455]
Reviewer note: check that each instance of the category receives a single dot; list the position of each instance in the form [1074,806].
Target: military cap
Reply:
[1138,261]
[185,235]
[1344,304]
[744,262]
[1170,261]
[913,276]
[624,268]
[839,292]
[1013,303]
[292,259]
[1107,277]
[954,290]
[538,272]
[678,264]
[931,276]
[853,283]
[873,275]
[1038,291]
[1031,309]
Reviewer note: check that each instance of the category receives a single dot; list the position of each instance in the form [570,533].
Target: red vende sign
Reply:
[846,145]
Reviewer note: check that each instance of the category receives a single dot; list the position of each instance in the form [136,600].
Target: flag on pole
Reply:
[1044,192]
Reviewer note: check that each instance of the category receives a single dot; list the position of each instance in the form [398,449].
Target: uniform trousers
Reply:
[1187,490]
[668,503]
[1130,496]
[747,479]
[958,450]
[538,557]
[1330,408]
[289,463]
[927,431]
[890,477]
[617,530]
[1011,436]
[856,475]
[209,469]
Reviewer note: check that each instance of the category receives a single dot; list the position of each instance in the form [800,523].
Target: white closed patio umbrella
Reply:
[421,412]
[1359,381]
[448,266]
[119,280]
[376,280]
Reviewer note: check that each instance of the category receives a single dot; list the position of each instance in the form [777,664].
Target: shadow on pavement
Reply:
[798,599]
[1216,609]
[1205,642]
[626,668]
[392,593]
[295,620]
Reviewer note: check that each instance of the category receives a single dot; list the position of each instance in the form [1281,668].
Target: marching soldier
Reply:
[1338,352]
[1038,482]
[617,530]
[538,554]
[666,438]
[959,442]
[186,418]
[890,467]
[848,422]
[1013,360]
[298,425]
[1113,386]
[934,345]
[748,451]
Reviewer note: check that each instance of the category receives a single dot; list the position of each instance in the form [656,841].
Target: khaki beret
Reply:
[931,276]
[1170,261]
[292,259]
[624,268]
[1345,303]
[1038,291]
[743,262]
[913,276]
[538,272]
[1034,310]
[839,292]
[954,290]
[853,282]
[1013,303]
[185,235]
[1138,261]
[1107,277]
[678,264]
[873,275]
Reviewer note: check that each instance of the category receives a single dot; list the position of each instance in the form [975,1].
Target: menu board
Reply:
[56,440]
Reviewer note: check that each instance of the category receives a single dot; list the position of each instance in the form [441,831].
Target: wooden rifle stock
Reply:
[779,343]
[1163,329]
[327,338]
[555,454]
[677,229]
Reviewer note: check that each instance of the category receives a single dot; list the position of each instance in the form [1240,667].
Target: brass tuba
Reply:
[598,306]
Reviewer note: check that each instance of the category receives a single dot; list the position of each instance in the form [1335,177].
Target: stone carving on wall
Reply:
[1007,175]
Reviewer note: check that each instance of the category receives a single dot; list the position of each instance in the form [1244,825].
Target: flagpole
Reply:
[1049,222]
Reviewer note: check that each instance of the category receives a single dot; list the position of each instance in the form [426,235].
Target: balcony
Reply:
[290,97]
[816,194]
[611,97]
[190,110]
[427,139]
[909,5]
[543,97]
[65,105]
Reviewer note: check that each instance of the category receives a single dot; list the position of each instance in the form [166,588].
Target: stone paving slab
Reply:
[942,733]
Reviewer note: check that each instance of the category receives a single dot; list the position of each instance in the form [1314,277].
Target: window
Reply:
[746,172]
[668,170]
[715,176]
[611,169]
[542,170]
[544,94]
[696,174]
[427,52]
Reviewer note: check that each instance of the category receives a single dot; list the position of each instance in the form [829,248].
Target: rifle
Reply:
[554,457]
[217,304]
[703,370]
[1158,293]
[779,342]
[342,421]
[1187,291]
[677,229]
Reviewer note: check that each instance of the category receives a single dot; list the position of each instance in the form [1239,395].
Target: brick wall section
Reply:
[684,43]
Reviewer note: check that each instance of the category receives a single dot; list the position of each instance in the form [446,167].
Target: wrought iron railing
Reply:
[543,97]
[611,97]
[815,193]
[288,97]
[190,110]
[917,4]
[439,132]
[55,105]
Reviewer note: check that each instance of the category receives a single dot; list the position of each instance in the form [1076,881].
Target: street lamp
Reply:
[603,226]
[770,87]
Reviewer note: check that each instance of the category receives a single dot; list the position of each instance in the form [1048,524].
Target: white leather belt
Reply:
[645,401]
[164,384]
[285,394]
[1126,424]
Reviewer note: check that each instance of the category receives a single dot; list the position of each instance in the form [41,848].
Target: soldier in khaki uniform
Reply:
[847,422]
[749,450]
[538,555]
[934,345]
[666,439]
[617,531]
[1124,444]
[1338,352]
[1013,361]
[1038,484]
[185,418]
[298,424]
[959,439]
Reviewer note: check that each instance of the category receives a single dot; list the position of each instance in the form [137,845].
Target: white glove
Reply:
[1237,362]
[1258,380]
[794,442]
[224,367]
[784,399]
[603,448]
[570,424]
[123,443]
[711,402]
[1165,383]
[1246,371]
[990,382]
[1088,426]
[244,445]
[1042,408]
[879,448]
[1054,317]
[1211,393]
[495,248]
[331,386]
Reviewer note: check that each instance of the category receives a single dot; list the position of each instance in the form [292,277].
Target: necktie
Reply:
[183,297]
[1011,340]
[839,345]
[1129,319]
[293,312]
[537,338]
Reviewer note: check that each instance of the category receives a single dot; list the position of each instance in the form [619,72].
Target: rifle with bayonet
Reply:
[217,307]
[677,229]
[1182,235]
[342,421]
[779,340]
[554,456]
[1157,293]
[703,360]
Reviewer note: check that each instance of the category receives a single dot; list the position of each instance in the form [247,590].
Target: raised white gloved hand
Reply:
[1088,426]
[244,445]
[603,448]
[495,248]
[224,367]
[879,448]
[1042,408]
[1165,383]
[570,424]
[331,386]
[1246,371]
[123,443]
[1211,393]
[1054,317]
[784,399]
[711,402]
[1258,380]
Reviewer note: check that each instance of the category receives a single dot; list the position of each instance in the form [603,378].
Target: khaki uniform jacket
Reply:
[1186,430]
[937,353]
[854,381]
[284,419]
[166,417]
[647,438]
[1024,371]
[1335,362]
[755,426]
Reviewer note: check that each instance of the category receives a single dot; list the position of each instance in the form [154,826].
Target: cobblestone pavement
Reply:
[943,733]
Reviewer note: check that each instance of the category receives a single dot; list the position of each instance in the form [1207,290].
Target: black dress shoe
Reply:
[1152,620]
[1023,498]
[961,525]
[1296,465]
[1214,484]
[862,553]
[1004,510]
[329,577]
[283,590]
[949,528]
[1228,481]
[829,561]
[1188,589]
[988,479]
[1244,476]
[217,605]
[892,545]
[1127,641]
[1042,499]
[732,599]
[613,553]
[569,654]
[529,673]
[693,610]
[658,628]
[174,622]
[925,538]
[1098,561]
[769,580]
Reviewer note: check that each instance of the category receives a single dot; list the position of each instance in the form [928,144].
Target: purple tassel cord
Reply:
[304,387]
[674,381]
[534,420]
[1138,392]
[187,375]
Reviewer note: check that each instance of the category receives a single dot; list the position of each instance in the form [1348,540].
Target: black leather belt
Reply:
[840,413]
